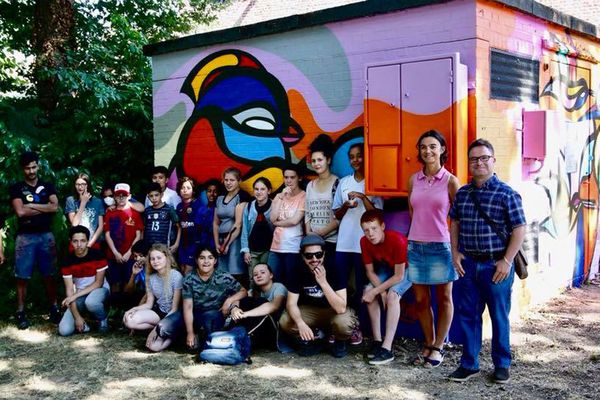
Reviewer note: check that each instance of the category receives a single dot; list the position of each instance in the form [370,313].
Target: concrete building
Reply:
[518,73]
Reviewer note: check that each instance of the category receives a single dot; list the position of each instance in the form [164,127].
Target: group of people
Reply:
[190,262]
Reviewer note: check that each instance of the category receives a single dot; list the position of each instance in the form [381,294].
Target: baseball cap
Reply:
[122,188]
[312,239]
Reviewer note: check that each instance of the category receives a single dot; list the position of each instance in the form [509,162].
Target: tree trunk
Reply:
[53,34]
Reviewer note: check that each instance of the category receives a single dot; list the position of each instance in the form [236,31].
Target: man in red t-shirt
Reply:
[384,257]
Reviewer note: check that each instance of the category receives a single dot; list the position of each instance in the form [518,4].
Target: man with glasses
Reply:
[317,302]
[484,260]
[35,203]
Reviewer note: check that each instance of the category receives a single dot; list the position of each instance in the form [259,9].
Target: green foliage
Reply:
[102,124]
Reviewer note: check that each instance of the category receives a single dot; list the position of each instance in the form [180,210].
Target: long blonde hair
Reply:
[171,264]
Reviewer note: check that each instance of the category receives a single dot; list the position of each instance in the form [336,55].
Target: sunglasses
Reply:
[318,255]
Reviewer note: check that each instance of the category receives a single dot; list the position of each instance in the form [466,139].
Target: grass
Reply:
[555,357]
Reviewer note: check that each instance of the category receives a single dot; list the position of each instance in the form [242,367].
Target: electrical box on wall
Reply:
[535,126]
[403,100]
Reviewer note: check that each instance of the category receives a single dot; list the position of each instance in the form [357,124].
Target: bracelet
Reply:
[506,261]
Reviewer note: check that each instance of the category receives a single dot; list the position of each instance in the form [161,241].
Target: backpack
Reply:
[227,347]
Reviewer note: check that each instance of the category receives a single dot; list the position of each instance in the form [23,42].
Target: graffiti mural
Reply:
[242,118]
[571,180]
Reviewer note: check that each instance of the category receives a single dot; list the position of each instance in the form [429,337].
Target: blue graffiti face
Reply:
[241,118]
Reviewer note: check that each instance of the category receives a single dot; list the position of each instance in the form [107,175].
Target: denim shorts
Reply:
[384,273]
[430,263]
[32,248]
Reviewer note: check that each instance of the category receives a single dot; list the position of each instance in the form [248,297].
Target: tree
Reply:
[76,86]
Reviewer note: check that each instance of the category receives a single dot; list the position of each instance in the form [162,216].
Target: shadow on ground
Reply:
[556,356]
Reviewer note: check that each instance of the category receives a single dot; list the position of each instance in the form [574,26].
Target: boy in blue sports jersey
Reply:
[161,223]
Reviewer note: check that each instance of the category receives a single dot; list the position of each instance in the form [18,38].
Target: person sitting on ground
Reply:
[85,286]
[317,300]
[266,298]
[160,175]
[161,311]
[208,297]
[384,257]
[161,223]
[135,288]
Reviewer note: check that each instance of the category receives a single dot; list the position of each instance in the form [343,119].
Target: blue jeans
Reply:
[476,290]
[347,262]
[171,326]
[209,321]
[92,303]
[284,266]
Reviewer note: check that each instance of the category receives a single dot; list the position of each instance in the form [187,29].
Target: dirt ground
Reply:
[556,356]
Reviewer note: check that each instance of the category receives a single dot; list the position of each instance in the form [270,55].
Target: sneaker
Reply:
[22,321]
[331,339]
[339,349]
[307,348]
[384,356]
[356,337]
[501,375]
[319,334]
[103,326]
[463,374]
[86,328]
[55,314]
[374,350]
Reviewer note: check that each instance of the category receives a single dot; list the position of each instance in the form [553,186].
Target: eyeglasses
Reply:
[81,184]
[318,255]
[120,196]
[483,159]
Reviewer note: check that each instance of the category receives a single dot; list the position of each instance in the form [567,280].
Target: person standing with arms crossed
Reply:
[35,203]
[484,261]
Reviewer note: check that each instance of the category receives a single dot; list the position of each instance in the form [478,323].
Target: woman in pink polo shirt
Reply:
[431,191]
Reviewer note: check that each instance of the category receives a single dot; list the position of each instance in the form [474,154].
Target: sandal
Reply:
[421,358]
[431,363]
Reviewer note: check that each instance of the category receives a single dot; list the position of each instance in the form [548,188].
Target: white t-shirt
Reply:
[169,196]
[319,209]
[349,231]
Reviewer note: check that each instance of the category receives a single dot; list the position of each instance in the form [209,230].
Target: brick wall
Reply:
[587,10]
[246,12]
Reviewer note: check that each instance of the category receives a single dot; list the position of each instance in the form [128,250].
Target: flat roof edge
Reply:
[347,12]
[552,15]
[279,25]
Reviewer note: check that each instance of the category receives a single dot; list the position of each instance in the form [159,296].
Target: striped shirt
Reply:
[83,270]
[501,203]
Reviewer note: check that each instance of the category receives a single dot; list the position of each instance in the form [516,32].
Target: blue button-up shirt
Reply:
[501,203]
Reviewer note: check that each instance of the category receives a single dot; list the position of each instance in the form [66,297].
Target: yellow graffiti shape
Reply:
[275,175]
[225,60]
